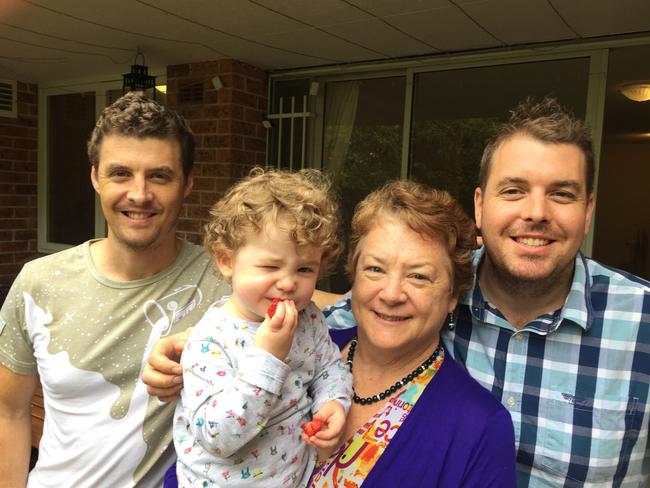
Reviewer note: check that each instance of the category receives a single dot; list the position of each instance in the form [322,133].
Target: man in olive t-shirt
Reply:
[84,320]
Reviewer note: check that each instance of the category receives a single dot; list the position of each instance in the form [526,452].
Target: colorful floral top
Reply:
[349,465]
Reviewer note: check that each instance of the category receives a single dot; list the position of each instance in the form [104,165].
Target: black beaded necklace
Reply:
[404,381]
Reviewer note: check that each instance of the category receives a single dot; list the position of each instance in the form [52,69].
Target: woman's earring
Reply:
[451,322]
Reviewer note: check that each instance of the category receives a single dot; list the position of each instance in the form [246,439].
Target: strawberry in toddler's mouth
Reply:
[273,307]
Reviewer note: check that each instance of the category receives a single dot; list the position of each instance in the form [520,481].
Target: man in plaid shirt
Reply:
[561,340]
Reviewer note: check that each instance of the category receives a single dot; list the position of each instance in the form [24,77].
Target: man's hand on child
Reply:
[332,417]
[163,374]
[275,334]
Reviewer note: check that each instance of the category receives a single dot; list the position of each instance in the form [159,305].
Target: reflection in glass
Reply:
[71,198]
[456,111]
[362,141]
[622,223]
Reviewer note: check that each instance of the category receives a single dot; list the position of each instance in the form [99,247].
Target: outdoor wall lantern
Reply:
[139,78]
[638,92]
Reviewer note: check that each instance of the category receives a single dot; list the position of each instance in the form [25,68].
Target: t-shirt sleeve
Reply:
[339,315]
[16,349]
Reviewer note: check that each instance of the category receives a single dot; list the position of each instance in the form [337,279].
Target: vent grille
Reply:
[7,98]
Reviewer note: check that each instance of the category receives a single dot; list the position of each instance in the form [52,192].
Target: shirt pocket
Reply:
[583,443]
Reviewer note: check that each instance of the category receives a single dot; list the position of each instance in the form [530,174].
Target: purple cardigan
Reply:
[457,435]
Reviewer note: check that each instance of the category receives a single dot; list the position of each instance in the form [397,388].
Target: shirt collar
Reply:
[576,309]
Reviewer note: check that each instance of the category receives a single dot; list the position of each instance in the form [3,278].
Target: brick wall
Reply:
[227,124]
[18,184]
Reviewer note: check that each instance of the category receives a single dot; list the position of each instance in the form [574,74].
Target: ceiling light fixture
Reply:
[638,92]
[139,78]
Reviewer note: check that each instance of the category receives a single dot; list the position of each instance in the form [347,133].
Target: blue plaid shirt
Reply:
[576,381]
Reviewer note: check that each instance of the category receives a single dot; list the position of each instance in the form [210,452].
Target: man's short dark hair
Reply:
[135,115]
[548,121]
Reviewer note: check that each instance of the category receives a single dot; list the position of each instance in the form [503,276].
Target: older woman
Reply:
[417,418]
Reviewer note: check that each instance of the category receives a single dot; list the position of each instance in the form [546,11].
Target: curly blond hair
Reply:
[302,200]
[434,214]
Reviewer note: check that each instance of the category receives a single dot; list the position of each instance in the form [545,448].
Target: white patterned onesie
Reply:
[238,421]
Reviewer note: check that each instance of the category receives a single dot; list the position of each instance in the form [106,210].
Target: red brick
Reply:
[201,212]
[15,224]
[249,70]
[233,81]
[23,235]
[193,197]
[14,177]
[27,87]
[192,112]
[202,183]
[25,212]
[11,246]
[253,115]
[256,86]
[215,170]
[13,130]
[203,126]
[10,270]
[254,144]
[24,143]
[204,67]
[27,97]
[177,70]
[206,155]
[26,189]
[226,65]
[14,201]
[14,154]
[243,128]
[23,257]
[189,225]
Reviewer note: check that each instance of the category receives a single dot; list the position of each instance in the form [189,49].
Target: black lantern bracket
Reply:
[139,78]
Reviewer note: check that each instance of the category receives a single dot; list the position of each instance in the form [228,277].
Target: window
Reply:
[427,120]
[455,112]
[362,141]
[622,225]
[70,197]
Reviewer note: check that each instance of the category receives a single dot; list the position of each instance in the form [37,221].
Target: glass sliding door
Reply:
[362,141]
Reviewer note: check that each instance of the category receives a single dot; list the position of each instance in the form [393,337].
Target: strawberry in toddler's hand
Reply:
[310,428]
[273,307]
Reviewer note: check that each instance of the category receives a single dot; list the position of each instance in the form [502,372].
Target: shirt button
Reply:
[519,337]
[511,401]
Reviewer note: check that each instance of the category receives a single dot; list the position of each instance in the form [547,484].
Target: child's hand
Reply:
[328,438]
[275,334]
